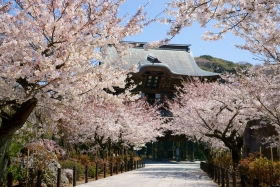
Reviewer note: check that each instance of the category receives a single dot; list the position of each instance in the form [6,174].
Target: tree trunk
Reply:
[236,156]
[5,142]
[236,151]
[9,125]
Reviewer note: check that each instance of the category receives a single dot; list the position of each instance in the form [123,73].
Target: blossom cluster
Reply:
[257,21]
[49,50]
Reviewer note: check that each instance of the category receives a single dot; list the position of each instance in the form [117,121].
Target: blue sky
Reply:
[221,49]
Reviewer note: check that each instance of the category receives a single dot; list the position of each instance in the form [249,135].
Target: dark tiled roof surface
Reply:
[176,58]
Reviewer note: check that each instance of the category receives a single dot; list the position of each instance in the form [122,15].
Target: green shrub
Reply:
[126,158]
[261,168]
[243,166]
[70,165]
[83,159]
[223,161]
[136,158]
[119,159]
[265,170]
[92,171]
[17,171]
[101,163]
[15,149]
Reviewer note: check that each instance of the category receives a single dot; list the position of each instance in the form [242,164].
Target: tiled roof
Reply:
[178,59]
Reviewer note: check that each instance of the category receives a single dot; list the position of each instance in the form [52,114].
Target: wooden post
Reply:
[219,176]
[223,177]
[209,172]
[58,184]
[234,179]
[215,173]
[256,183]
[86,174]
[243,180]
[39,178]
[104,171]
[74,176]
[96,172]
[117,168]
[227,177]
[111,172]
[125,166]
[10,180]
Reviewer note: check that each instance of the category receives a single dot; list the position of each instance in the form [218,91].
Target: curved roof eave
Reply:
[146,64]
[178,61]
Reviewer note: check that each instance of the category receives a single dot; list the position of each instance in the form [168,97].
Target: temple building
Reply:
[159,71]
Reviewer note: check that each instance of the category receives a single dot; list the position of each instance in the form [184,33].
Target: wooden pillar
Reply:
[191,148]
[173,150]
[186,151]
[153,151]
[165,148]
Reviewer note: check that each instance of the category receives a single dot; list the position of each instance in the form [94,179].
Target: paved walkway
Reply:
[158,174]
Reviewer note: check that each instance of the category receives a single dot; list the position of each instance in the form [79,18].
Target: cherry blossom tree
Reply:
[262,84]
[115,121]
[47,54]
[257,21]
[215,113]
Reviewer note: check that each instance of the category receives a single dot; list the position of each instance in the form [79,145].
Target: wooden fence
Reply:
[223,176]
[114,168]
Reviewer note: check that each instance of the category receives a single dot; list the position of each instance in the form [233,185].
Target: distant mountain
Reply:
[218,65]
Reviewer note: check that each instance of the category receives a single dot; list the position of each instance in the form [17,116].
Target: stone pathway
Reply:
[158,174]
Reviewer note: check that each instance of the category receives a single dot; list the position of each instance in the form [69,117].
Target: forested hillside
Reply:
[218,65]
